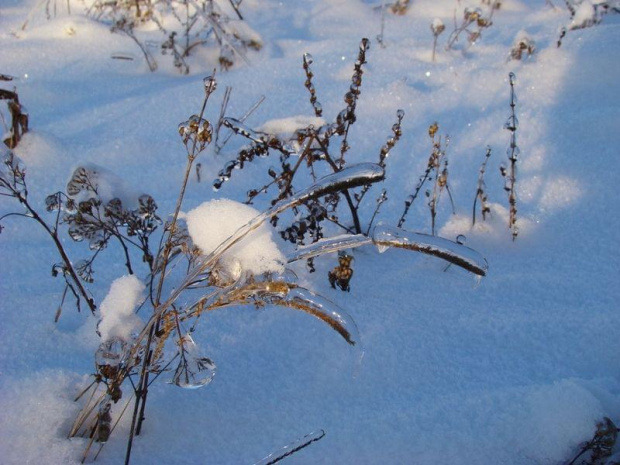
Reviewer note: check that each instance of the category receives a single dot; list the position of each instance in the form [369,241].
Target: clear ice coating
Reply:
[453,252]
[302,299]
[329,245]
[287,294]
[353,176]
[194,370]
[292,448]
[111,353]
[239,128]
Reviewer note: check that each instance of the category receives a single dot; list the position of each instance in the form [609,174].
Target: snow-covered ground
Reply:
[516,369]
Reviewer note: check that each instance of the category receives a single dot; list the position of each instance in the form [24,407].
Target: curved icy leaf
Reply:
[292,296]
[453,252]
[329,245]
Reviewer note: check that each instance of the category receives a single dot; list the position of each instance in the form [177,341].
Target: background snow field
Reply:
[514,369]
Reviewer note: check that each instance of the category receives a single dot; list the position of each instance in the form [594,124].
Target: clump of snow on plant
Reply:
[118,318]
[585,15]
[287,126]
[106,186]
[214,221]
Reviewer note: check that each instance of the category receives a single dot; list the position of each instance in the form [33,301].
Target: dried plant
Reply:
[481,193]
[437,27]
[17,125]
[472,24]
[49,7]
[13,184]
[523,47]
[510,173]
[585,14]
[183,26]
[312,148]
[600,446]
[184,284]
[400,7]
[436,171]
[165,340]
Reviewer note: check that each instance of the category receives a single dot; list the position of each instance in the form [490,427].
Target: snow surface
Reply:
[516,370]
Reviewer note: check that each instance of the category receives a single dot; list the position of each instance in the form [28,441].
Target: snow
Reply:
[214,221]
[105,186]
[286,127]
[118,318]
[514,370]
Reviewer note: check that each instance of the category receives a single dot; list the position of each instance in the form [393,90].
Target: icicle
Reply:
[329,245]
[194,371]
[445,249]
[353,176]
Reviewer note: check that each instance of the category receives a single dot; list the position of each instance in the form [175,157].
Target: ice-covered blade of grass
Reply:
[453,252]
[289,295]
[329,245]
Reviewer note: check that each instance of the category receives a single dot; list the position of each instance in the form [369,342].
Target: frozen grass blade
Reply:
[453,252]
[285,295]
[329,245]
[292,448]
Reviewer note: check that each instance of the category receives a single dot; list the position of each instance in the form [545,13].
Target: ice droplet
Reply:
[194,370]
[209,84]
[111,354]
